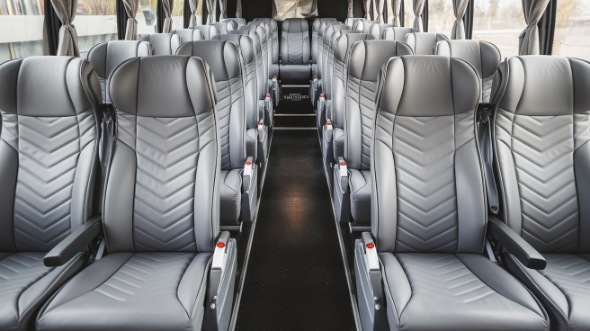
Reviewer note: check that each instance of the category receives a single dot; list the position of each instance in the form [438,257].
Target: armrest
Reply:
[77,241]
[343,171]
[370,252]
[514,244]
[373,269]
[248,174]
[249,189]
[269,109]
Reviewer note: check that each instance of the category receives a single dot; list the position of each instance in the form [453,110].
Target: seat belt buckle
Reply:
[484,112]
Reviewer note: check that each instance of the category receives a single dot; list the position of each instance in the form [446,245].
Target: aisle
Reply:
[295,278]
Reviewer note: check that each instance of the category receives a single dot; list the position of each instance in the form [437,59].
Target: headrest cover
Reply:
[366,58]
[545,86]
[162,86]
[344,43]
[49,86]
[452,86]
[222,56]
[482,55]
[424,43]
[105,57]
[244,43]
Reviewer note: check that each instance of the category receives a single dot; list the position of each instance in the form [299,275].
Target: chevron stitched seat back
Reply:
[295,48]
[429,194]
[47,150]
[161,195]
[542,150]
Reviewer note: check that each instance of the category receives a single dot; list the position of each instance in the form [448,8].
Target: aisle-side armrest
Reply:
[76,242]
[516,245]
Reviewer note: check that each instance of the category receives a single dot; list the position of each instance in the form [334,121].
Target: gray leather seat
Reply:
[160,211]
[189,35]
[321,54]
[163,43]
[327,66]
[263,37]
[208,32]
[262,81]
[315,42]
[225,62]
[256,132]
[397,33]
[48,156]
[225,27]
[482,55]
[105,57]
[239,22]
[424,43]
[274,36]
[543,158]
[352,123]
[377,30]
[429,210]
[295,51]
[353,21]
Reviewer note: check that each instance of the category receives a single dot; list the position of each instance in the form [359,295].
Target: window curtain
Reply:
[379,6]
[222,9]
[68,38]
[193,6]
[131,10]
[239,9]
[167,6]
[367,7]
[211,11]
[396,4]
[459,8]
[418,10]
[350,12]
[529,38]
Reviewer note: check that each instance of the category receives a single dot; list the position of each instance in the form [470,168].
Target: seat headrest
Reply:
[377,30]
[48,86]
[543,85]
[343,44]
[366,58]
[333,28]
[105,57]
[163,43]
[162,86]
[244,43]
[317,23]
[295,25]
[188,35]
[482,55]
[428,86]
[424,43]
[251,34]
[208,31]
[223,57]
[397,33]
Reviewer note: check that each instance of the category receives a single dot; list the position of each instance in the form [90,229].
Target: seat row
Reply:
[145,254]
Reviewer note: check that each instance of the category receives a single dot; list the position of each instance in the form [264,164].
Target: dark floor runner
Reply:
[295,278]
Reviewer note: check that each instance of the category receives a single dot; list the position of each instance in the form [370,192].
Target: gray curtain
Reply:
[396,4]
[131,10]
[167,5]
[367,7]
[350,12]
[459,8]
[193,5]
[418,10]
[211,11]
[239,9]
[68,38]
[529,38]
[222,9]
[379,6]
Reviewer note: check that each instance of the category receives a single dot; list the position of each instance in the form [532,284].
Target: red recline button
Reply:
[220,244]
[370,245]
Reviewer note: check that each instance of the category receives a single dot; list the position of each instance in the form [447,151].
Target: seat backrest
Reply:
[377,30]
[541,134]
[262,81]
[48,150]
[163,43]
[424,43]
[239,22]
[270,48]
[224,59]
[248,54]
[207,31]
[320,61]
[225,27]
[189,35]
[263,37]
[482,55]
[161,193]
[274,29]
[353,21]
[329,59]
[361,25]
[365,60]
[295,47]
[326,48]
[105,57]
[427,179]
[314,37]
[397,33]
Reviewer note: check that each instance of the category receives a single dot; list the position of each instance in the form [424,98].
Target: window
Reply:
[178,15]
[95,21]
[572,29]
[440,16]
[147,22]
[499,22]
[21,28]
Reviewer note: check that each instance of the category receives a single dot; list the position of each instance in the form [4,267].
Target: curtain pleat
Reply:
[131,10]
[211,11]
[367,7]
[222,9]
[68,37]
[193,6]
[396,4]
[168,6]
[459,8]
[239,9]
[350,12]
[528,40]
[379,6]
[418,10]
